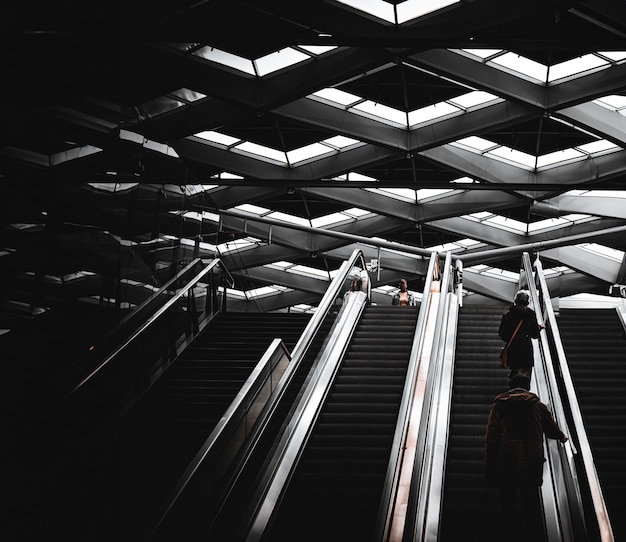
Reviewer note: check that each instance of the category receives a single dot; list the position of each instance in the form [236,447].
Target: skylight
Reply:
[526,68]
[399,118]
[266,64]
[403,12]
[512,156]
[332,145]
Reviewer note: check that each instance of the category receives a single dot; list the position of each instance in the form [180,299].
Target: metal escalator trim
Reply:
[395,486]
[443,401]
[557,517]
[424,475]
[305,415]
[327,301]
[580,433]
[239,419]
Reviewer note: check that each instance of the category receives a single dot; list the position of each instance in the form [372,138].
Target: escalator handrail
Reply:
[148,322]
[239,419]
[577,427]
[387,511]
[423,466]
[433,500]
[327,302]
[292,444]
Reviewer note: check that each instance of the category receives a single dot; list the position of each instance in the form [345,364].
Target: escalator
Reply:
[335,490]
[469,506]
[594,342]
[153,444]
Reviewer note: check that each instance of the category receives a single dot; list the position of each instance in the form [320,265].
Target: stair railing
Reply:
[179,293]
[567,398]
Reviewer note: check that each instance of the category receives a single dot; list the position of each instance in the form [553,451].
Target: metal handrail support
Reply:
[579,431]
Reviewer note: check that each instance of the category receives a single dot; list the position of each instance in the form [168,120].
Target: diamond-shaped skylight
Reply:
[398,12]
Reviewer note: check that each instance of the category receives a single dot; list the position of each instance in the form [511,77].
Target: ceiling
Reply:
[137,138]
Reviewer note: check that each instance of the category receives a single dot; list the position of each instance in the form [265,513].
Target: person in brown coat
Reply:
[514,458]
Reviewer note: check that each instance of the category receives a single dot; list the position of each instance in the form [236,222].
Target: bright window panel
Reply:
[522,65]
[262,151]
[318,49]
[307,152]
[333,218]
[254,209]
[476,143]
[615,56]
[216,137]
[472,99]
[483,53]
[289,218]
[226,59]
[614,102]
[309,271]
[404,194]
[576,66]
[265,291]
[279,60]
[558,157]
[382,111]
[356,212]
[431,112]
[513,156]
[337,96]
[411,9]
[424,194]
[616,255]
[377,8]
[507,223]
[341,142]
[598,146]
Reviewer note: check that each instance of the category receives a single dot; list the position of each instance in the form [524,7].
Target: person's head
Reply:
[403,285]
[522,298]
[519,381]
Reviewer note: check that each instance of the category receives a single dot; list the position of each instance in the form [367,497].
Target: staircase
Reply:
[469,505]
[156,441]
[595,347]
[335,492]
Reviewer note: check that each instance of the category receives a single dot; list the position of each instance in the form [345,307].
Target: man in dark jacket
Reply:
[520,358]
[514,458]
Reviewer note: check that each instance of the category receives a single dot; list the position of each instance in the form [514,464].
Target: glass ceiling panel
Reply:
[613,102]
[412,9]
[226,59]
[279,60]
[405,11]
[521,66]
[576,66]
